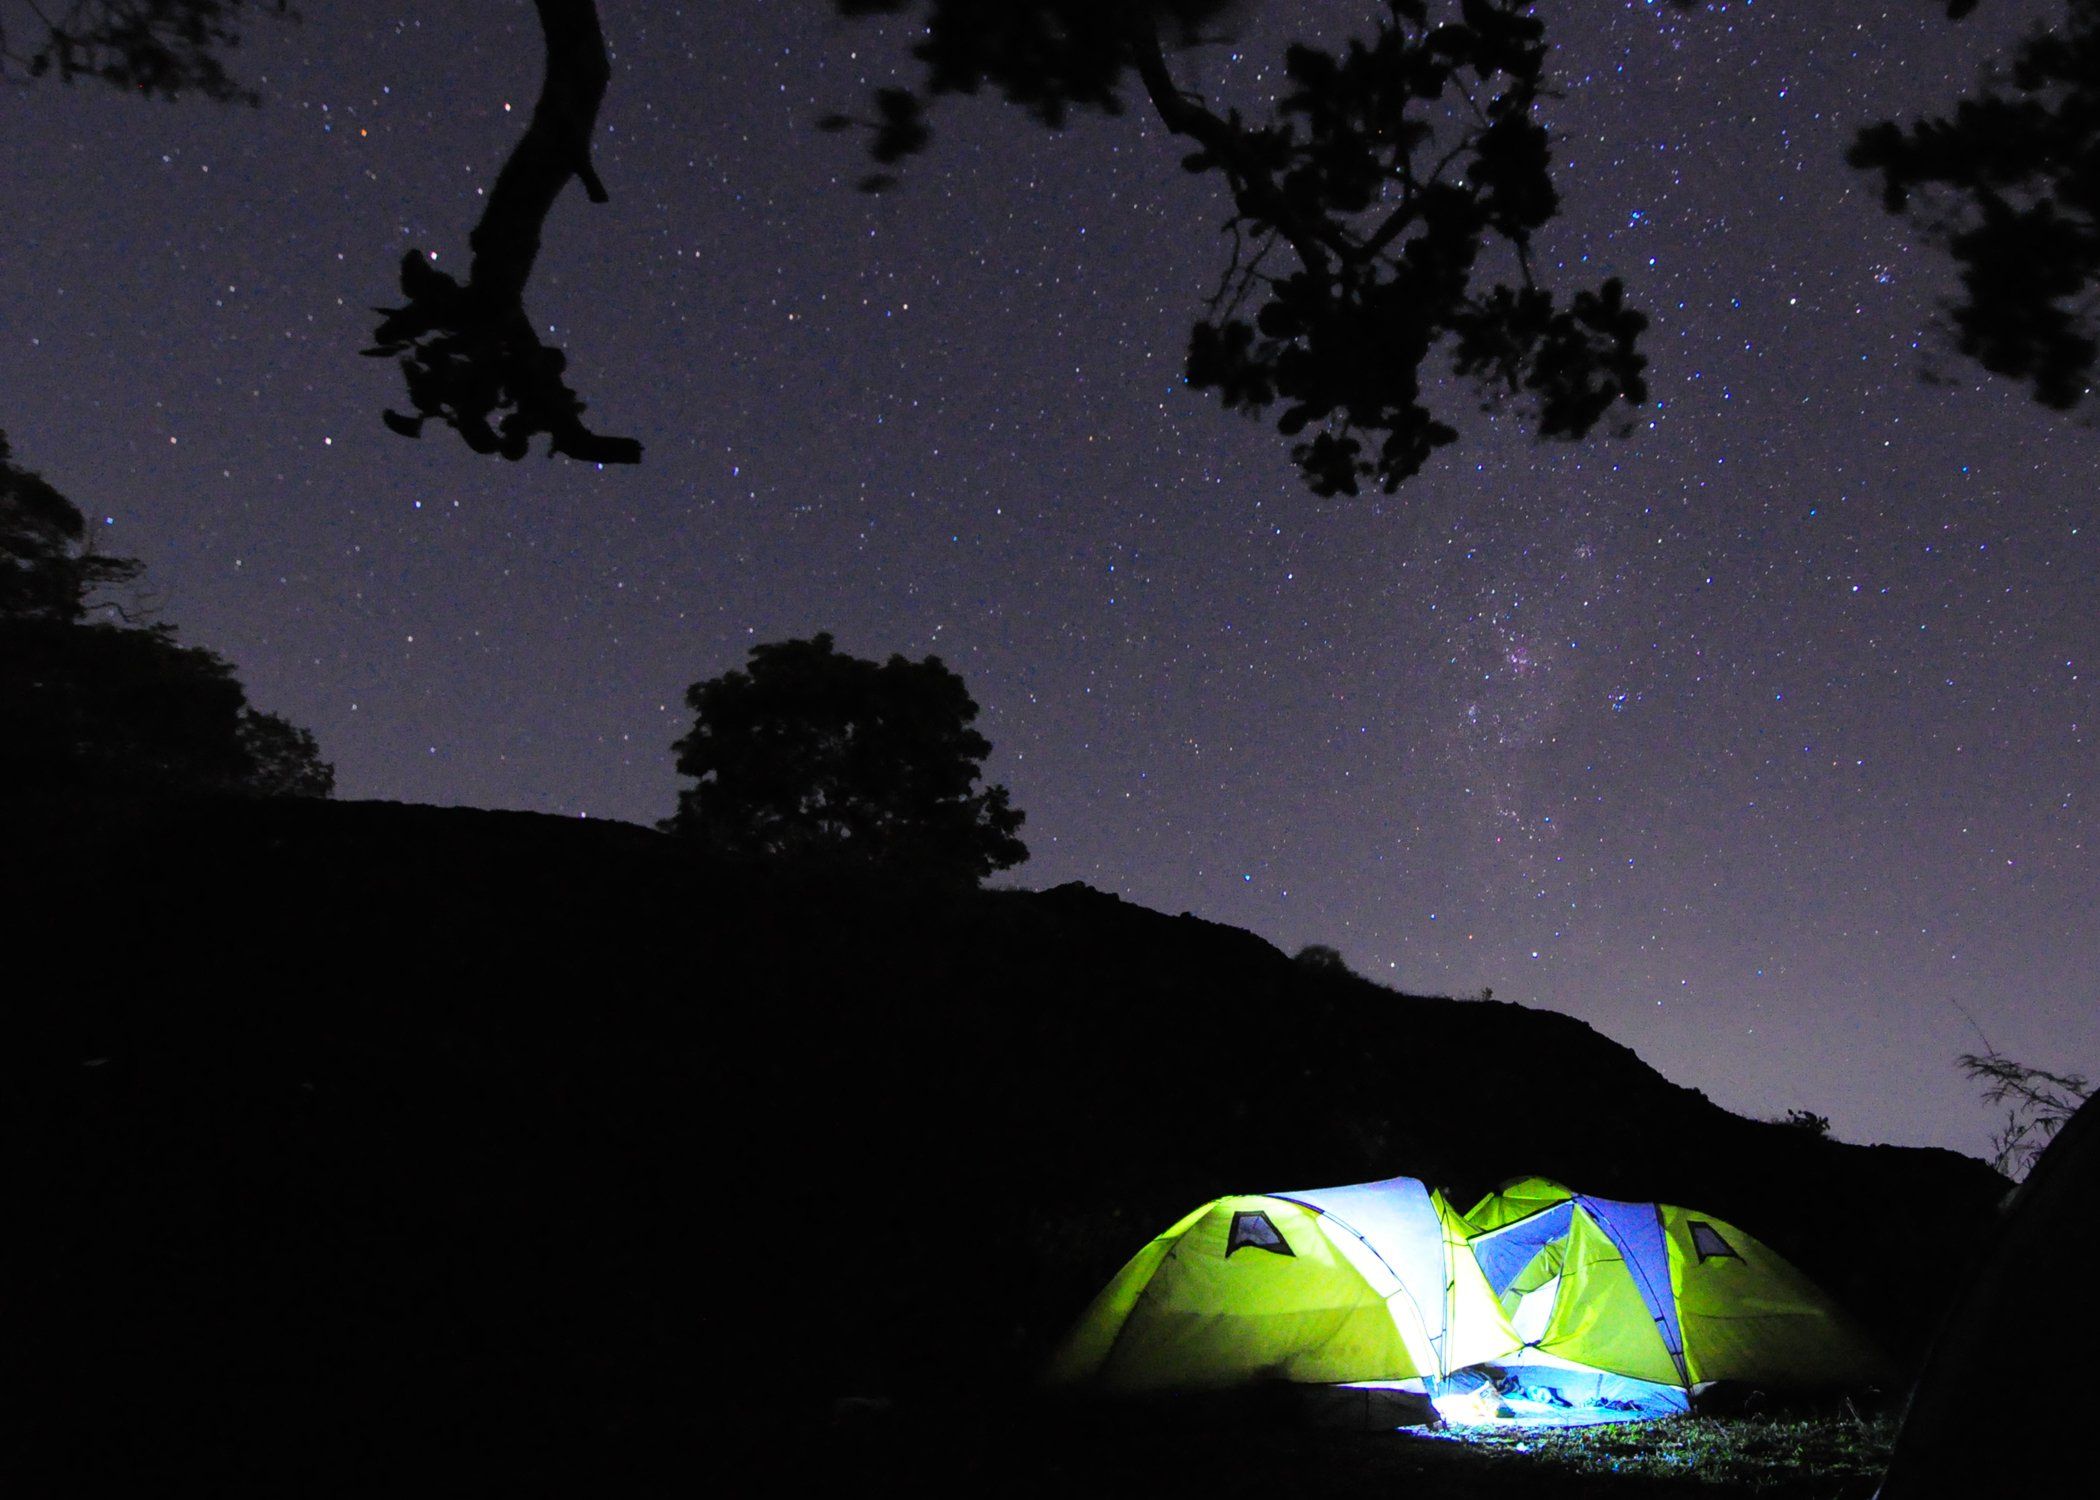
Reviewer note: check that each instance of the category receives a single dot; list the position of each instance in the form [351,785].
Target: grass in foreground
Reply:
[1816,1458]
[1123,1452]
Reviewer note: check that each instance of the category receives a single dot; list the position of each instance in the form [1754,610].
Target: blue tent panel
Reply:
[1636,1231]
[1504,1253]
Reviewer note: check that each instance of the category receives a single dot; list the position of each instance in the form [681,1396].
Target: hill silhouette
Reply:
[342,1132]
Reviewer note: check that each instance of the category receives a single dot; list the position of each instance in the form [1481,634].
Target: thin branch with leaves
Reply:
[2037,1101]
[1403,171]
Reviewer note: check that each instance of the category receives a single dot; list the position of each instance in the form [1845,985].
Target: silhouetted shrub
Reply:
[814,753]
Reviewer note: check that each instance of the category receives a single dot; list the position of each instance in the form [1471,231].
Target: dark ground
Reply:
[342,1140]
[1828,1455]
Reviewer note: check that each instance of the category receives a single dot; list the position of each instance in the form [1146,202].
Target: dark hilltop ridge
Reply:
[337,1132]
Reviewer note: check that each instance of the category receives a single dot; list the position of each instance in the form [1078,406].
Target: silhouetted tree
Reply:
[814,752]
[284,760]
[1808,1121]
[48,569]
[1321,959]
[2011,185]
[113,704]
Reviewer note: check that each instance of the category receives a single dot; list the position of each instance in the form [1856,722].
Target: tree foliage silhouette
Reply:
[1383,209]
[2010,184]
[812,752]
[153,47]
[101,705]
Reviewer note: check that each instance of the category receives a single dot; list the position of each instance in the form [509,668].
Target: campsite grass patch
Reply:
[1117,1452]
[1834,1457]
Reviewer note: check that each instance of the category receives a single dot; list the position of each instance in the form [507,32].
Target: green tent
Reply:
[1657,1294]
[1364,1283]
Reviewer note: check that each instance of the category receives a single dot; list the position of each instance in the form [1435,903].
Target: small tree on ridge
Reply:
[815,752]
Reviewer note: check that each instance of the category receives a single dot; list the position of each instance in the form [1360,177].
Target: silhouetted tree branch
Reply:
[1382,210]
[2038,1103]
[1404,173]
[163,47]
[469,353]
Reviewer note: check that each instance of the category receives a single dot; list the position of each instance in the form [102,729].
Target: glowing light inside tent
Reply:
[1472,1408]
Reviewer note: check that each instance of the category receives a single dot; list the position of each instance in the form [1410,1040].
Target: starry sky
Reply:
[1762,739]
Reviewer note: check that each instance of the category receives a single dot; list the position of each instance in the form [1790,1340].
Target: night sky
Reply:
[1762,740]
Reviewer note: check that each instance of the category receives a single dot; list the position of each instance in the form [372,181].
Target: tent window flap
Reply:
[1707,1241]
[1252,1227]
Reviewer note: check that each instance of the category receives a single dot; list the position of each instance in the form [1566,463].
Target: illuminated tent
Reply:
[1661,1297]
[1363,1283]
